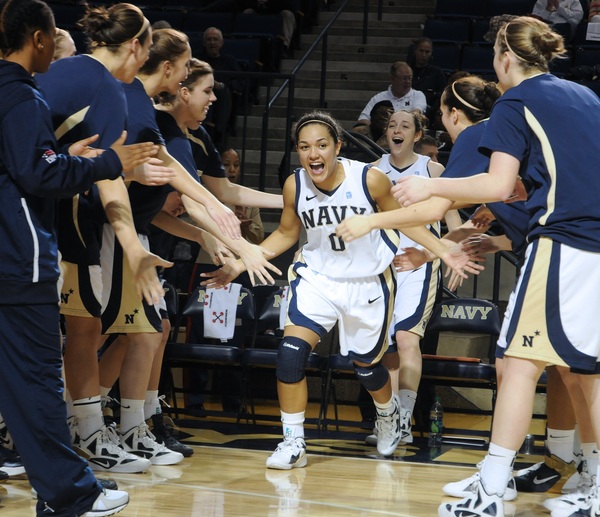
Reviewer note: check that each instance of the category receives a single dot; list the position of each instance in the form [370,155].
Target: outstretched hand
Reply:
[143,265]
[134,154]
[224,275]
[482,217]
[459,264]
[411,190]
[411,258]
[82,148]
[226,220]
[479,244]
[353,227]
[151,173]
[256,264]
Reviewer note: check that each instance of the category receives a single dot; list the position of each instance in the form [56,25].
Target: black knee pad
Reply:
[373,377]
[292,357]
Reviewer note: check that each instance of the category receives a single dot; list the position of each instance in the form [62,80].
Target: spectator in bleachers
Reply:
[223,114]
[428,146]
[282,7]
[380,115]
[400,93]
[427,77]
[559,11]
[594,15]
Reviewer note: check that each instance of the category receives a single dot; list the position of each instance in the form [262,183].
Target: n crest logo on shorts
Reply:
[528,340]
[130,318]
[64,297]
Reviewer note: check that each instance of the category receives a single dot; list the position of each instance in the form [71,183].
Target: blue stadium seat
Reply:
[67,15]
[460,8]
[196,22]
[174,17]
[586,56]
[497,7]
[266,27]
[477,59]
[448,30]
[479,28]
[447,56]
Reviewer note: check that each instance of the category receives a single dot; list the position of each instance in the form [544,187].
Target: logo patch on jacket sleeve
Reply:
[49,155]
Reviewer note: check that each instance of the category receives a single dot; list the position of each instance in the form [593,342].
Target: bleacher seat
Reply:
[266,27]
[479,28]
[441,30]
[246,52]
[460,8]
[580,40]
[447,56]
[498,7]
[173,16]
[586,56]
[66,16]
[477,59]
[198,22]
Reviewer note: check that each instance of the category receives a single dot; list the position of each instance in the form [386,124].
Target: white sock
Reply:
[132,414]
[293,425]
[386,408]
[408,399]
[88,412]
[497,469]
[590,455]
[151,404]
[560,443]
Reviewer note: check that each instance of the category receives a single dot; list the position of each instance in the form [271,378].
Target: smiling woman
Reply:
[351,284]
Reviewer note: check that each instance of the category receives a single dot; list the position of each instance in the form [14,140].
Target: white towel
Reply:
[220,307]
[283,306]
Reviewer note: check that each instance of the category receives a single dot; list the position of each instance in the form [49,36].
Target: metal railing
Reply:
[287,87]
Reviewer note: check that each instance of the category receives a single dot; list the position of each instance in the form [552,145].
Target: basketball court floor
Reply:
[227,477]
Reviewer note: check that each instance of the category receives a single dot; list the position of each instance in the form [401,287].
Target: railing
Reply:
[288,86]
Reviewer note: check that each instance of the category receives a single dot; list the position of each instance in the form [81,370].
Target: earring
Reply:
[41,47]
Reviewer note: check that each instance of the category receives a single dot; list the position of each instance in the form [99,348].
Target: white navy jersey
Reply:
[320,213]
[419,168]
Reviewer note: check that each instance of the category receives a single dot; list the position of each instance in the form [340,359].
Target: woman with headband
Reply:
[558,470]
[416,290]
[544,129]
[332,282]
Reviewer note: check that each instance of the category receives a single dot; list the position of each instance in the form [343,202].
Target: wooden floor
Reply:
[227,477]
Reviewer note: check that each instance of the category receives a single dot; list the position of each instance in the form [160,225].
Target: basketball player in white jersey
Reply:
[416,290]
[332,282]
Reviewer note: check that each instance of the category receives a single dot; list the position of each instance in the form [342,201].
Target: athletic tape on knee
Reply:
[373,377]
[292,357]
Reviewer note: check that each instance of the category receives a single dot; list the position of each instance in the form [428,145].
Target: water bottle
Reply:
[436,423]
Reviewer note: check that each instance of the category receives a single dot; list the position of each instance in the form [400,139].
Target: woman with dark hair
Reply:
[33,174]
[330,282]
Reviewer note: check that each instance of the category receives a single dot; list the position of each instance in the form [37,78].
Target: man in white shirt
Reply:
[559,11]
[400,93]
